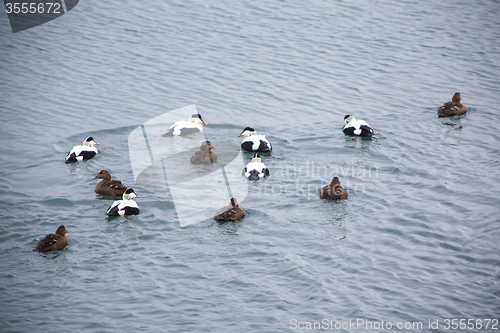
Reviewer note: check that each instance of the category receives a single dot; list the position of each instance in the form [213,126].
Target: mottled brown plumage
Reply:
[231,213]
[52,242]
[109,187]
[453,108]
[333,191]
[204,155]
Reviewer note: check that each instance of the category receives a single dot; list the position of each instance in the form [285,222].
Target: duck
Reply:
[256,169]
[107,186]
[355,127]
[231,213]
[194,124]
[84,152]
[453,108]
[126,206]
[253,142]
[53,242]
[204,155]
[333,191]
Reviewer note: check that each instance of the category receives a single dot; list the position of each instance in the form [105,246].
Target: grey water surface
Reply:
[416,240]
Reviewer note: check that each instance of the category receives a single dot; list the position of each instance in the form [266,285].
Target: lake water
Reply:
[415,242]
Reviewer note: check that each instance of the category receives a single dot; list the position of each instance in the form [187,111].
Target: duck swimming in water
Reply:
[84,152]
[52,242]
[204,155]
[126,206]
[355,127]
[333,191]
[453,108]
[231,213]
[107,186]
[254,142]
[256,169]
[184,127]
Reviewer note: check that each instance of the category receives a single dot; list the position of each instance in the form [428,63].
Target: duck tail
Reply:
[254,175]
[366,130]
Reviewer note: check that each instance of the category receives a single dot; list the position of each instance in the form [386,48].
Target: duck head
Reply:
[256,158]
[335,181]
[104,174]
[248,131]
[456,98]
[89,141]
[61,230]
[129,194]
[348,118]
[337,188]
[206,146]
[197,119]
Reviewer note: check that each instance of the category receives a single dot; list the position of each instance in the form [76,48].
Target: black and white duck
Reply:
[126,206]
[253,142]
[83,152]
[256,169]
[355,127]
[184,127]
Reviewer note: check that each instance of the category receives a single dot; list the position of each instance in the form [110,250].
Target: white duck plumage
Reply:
[256,169]
[126,206]
[253,142]
[84,152]
[184,127]
[352,126]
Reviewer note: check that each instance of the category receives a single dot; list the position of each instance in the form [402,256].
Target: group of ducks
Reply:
[254,170]
[251,142]
[334,190]
[353,127]
[106,187]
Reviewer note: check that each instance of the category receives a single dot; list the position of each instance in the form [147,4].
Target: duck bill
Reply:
[241,133]
[136,195]
[203,121]
[95,142]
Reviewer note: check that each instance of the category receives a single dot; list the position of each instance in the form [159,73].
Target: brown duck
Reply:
[231,213]
[453,108]
[204,155]
[333,191]
[109,187]
[52,242]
